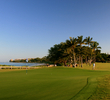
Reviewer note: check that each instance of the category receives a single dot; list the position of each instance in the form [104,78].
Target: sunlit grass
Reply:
[103,89]
[99,66]
[57,83]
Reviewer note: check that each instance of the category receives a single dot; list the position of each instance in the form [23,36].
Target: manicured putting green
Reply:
[49,84]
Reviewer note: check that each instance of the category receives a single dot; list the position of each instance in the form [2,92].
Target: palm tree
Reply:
[69,51]
[72,43]
[80,42]
[78,54]
[94,47]
[64,53]
[88,41]
[85,51]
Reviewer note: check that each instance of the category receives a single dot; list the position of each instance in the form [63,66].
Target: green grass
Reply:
[99,66]
[103,89]
[54,83]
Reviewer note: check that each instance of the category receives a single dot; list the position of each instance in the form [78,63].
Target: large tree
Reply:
[72,43]
[88,41]
[95,46]
[57,54]
[80,42]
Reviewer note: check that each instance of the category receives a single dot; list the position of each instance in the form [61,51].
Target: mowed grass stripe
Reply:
[87,90]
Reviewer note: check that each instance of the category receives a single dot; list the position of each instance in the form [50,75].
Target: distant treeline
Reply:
[32,60]
[100,57]
[103,57]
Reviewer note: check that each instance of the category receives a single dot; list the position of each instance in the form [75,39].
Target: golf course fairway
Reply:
[57,83]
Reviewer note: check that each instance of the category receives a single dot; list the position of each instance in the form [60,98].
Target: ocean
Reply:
[21,64]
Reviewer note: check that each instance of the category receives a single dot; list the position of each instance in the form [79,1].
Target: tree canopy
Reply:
[74,50]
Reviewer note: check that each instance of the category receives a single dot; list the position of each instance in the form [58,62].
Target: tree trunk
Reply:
[74,59]
[71,62]
[86,60]
[81,61]
[65,62]
[90,61]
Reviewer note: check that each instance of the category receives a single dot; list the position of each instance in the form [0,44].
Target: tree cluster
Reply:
[103,57]
[74,51]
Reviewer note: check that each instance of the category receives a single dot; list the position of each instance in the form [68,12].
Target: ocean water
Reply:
[21,64]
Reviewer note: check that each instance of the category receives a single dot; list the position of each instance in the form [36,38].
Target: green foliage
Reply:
[58,54]
[74,50]
[102,57]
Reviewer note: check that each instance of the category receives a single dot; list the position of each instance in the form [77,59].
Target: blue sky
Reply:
[28,28]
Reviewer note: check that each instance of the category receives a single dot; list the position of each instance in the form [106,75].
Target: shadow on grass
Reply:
[87,90]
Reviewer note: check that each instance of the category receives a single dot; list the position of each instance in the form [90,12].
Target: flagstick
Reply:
[26,68]
[26,65]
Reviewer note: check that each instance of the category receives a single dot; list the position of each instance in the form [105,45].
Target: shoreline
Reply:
[20,64]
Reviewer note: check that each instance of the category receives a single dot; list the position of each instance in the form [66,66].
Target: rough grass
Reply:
[103,89]
[99,66]
[56,83]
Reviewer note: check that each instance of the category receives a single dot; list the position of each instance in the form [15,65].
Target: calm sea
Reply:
[21,64]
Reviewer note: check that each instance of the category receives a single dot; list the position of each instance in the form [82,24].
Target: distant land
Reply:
[31,60]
